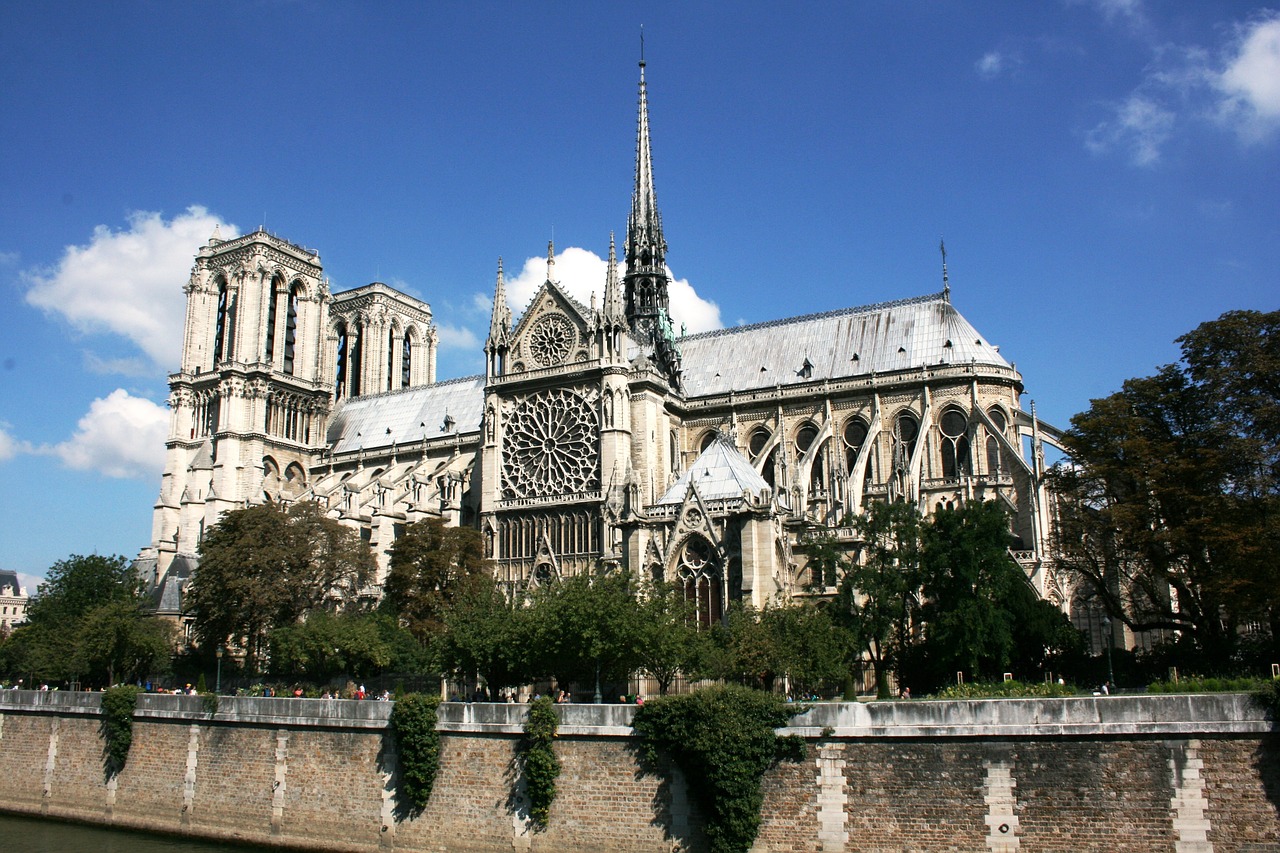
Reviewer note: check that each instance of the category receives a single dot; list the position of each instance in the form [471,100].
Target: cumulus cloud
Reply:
[581,273]
[10,446]
[458,338]
[120,436]
[1140,126]
[129,282]
[1250,81]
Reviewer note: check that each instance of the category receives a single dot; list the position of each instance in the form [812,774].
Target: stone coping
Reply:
[1085,716]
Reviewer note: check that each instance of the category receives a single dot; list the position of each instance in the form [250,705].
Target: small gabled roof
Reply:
[720,472]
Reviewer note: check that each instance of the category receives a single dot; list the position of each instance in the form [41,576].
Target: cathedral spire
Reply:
[613,312]
[551,261]
[500,323]
[946,284]
[646,250]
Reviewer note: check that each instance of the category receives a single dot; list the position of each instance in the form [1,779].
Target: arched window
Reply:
[805,438]
[855,435]
[705,442]
[699,573]
[220,324]
[756,444]
[995,462]
[391,361]
[675,452]
[355,355]
[955,444]
[273,294]
[291,327]
[406,359]
[340,370]
[906,429]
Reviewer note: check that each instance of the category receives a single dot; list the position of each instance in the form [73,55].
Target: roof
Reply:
[408,415]
[925,331]
[8,578]
[720,471]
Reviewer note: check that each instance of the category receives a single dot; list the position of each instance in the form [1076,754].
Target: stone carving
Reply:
[551,449]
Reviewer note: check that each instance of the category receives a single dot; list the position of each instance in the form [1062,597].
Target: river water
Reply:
[33,835]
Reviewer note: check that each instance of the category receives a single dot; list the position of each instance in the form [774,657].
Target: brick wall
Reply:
[1137,774]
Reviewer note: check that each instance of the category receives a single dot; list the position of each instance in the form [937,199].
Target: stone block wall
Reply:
[1184,774]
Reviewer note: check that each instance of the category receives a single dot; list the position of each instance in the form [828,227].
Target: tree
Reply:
[1170,504]
[586,628]
[669,641]
[429,565]
[744,650]
[86,619]
[878,596]
[485,634]
[813,650]
[269,566]
[328,644]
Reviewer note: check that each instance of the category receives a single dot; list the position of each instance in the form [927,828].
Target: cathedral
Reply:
[597,436]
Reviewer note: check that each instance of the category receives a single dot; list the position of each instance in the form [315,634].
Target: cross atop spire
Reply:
[946,284]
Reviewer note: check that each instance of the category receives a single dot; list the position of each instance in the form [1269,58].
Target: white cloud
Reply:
[129,282]
[1121,9]
[457,337]
[581,272]
[1140,126]
[10,446]
[120,436]
[1250,82]
[990,65]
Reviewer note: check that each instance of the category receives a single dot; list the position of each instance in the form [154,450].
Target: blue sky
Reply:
[1105,175]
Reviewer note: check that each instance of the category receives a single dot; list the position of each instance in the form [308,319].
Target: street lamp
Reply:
[217,684]
[1107,638]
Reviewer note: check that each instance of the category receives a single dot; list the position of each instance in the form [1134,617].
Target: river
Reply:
[34,835]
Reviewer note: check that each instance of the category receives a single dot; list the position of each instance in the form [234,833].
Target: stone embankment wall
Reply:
[1151,773]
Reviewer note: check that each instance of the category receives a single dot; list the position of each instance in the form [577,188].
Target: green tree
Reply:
[120,642]
[329,644]
[878,596]
[669,640]
[485,635]
[813,649]
[430,563]
[586,627]
[269,566]
[745,650]
[1174,485]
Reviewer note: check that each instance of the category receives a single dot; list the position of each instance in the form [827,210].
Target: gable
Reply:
[555,330]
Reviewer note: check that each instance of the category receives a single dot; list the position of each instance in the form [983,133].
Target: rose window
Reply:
[551,340]
[551,447]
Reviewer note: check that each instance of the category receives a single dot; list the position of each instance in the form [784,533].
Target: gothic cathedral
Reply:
[597,437]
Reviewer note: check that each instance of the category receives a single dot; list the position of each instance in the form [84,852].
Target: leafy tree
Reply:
[1174,484]
[485,635]
[119,642]
[586,627]
[328,644]
[669,639]
[812,648]
[429,565]
[744,650]
[269,566]
[878,596]
[87,619]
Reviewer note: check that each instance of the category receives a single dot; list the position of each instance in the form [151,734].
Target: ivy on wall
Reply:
[538,758]
[722,739]
[118,704]
[413,723]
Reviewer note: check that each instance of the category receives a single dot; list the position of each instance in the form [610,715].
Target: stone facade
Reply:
[13,603]
[1168,773]
[598,435]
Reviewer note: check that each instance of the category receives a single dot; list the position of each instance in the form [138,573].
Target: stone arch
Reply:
[953,442]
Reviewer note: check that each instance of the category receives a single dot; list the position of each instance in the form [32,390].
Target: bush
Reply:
[541,767]
[118,704]
[1005,690]
[722,738]
[1207,685]
[413,724]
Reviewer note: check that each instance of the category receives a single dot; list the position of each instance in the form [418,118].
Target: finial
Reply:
[551,260]
[642,50]
[499,267]
[946,285]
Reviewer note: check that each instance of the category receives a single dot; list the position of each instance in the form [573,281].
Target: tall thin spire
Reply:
[946,284]
[612,292]
[646,249]
[500,323]
[551,260]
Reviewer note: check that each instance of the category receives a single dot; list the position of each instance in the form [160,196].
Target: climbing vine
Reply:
[413,723]
[722,738]
[538,755]
[118,704]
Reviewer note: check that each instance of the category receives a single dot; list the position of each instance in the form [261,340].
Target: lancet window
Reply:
[955,444]
[995,463]
[699,572]
[906,429]
[406,359]
[291,327]
[569,534]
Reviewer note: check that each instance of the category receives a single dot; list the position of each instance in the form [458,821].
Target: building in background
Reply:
[13,603]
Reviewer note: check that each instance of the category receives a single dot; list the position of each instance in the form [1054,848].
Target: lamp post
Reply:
[217,684]
[1107,637]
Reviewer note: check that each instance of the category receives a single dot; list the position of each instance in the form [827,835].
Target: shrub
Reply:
[722,738]
[413,724]
[541,767]
[1004,690]
[118,704]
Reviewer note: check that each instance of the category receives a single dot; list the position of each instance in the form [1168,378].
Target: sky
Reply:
[1105,173]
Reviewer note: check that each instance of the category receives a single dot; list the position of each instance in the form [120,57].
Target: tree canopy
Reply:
[430,564]
[269,566]
[1170,504]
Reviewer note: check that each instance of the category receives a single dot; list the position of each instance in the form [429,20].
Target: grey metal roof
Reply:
[889,336]
[407,416]
[720,471]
